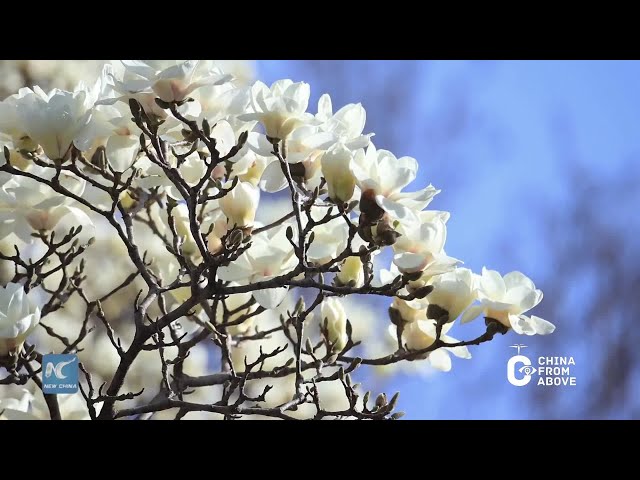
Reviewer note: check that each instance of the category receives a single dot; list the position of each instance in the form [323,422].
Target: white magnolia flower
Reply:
[329,240]
[505,299]
[170,80]
[336,169]
[307,143]
[11,124]
[281,108]
[270,255]
[218,223]
[27,205]
[183,228]
[421,245]
[182,223]
[332,310]
[112,128]
[132,79]
[52,120]
[381,174]
[453,291]
[240,204]
[346,125]
[305,147]
[18,317]
[422,333]
[248,166]
[219,101]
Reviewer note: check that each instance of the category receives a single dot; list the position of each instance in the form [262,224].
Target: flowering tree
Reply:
[138,231]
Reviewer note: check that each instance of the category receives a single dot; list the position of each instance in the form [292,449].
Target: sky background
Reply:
[538,165]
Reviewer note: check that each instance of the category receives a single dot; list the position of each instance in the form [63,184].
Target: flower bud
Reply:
[19,316]
[336,169]
[214,242]
[333,312]
[183,229]
[351,273]
[240,204]
[381,400]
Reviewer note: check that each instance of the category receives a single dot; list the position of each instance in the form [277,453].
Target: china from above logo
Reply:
[551,371]
[59,374]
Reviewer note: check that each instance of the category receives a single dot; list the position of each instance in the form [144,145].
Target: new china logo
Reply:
[59,374]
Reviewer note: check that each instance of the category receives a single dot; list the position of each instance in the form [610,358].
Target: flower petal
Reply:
[440,360]
[270,297]
[471,313]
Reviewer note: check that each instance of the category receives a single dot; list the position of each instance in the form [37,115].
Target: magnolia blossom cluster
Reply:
[182,165]
[65,74]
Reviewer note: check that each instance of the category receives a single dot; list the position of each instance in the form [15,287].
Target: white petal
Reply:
[225,137]
[259,143]
[521,325]
[121,151]
[440,360]
[14,310]
[460,352]
[410,262]
[419,200]
[139,67]
[396,209]
[325,109]
[270,297]
[492,284]
[471,313]
[395,173]
[273,180]
[238,270]
[542,327]
[517,279]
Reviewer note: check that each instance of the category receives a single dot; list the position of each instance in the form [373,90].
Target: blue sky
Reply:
[502,140]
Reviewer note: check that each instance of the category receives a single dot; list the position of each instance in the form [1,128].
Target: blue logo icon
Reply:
[59,374]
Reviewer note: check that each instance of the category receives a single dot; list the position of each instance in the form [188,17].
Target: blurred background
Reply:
[539,165]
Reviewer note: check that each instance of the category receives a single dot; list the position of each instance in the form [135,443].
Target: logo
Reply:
[59,374]
[551,371]
[526,369]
